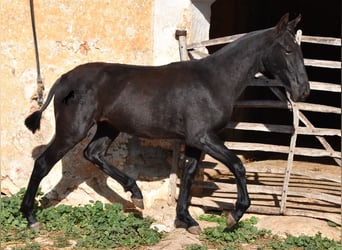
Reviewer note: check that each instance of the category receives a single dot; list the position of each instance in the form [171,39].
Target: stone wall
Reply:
[71,33]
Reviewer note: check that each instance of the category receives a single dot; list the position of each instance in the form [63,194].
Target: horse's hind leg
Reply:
[96,151]
[57,148]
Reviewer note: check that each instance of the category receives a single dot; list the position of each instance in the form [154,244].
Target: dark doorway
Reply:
[238,16]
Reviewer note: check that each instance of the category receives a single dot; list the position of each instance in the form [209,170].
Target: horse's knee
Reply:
[240,170]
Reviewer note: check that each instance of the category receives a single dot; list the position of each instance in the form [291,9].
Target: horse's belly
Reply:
[147,125]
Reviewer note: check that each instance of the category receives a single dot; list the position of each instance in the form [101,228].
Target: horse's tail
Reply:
[32,122]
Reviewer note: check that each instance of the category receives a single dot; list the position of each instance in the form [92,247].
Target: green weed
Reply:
[93,226]
[246,233]
[316,242]
[243,232]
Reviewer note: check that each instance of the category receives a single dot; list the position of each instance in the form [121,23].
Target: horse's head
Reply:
[283,59]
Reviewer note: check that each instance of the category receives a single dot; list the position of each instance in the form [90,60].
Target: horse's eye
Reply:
[288,52]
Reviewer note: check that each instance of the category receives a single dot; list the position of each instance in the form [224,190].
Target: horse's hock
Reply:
[308,186]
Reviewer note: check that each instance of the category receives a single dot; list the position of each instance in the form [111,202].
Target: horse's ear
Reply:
[294,22]
[282,24]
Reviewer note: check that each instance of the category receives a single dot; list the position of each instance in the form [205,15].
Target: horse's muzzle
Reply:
[303,95]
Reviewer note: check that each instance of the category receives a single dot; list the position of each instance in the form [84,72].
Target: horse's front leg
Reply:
[215,147]
[183,217]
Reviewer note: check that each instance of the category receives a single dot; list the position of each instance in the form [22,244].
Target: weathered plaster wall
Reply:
[71,33]
[190,15]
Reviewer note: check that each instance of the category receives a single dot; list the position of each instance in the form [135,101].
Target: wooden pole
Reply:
[173,174]
[290,158]
[183,53]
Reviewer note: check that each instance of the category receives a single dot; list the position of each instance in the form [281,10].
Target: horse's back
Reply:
[143,100]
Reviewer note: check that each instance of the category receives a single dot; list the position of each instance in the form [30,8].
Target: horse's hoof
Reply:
[180,224]
[230,220]
[195,230]
[139,203]
[36,226]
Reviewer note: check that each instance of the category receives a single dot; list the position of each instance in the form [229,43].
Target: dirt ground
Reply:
[179,238]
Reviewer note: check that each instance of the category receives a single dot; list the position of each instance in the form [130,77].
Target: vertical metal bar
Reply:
[40,87]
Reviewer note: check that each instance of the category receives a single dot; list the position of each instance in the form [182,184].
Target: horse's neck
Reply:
[237,63]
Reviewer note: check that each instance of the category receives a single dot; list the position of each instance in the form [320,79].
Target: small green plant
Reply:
[93,226]
[307,243]
[243,232]
[13,224]
[332,224]
[196,247]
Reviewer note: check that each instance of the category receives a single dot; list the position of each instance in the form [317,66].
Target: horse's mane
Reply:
[242,40]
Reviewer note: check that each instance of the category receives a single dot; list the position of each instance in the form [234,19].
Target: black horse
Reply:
[191,101]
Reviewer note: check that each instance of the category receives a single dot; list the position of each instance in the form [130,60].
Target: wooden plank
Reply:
[286,129]
[322,63]
[313,152]
[263,127]
[267,167]
[247,146]
[318,131]
[215,41]
[257,209]
[318,108]
[274,199]
[321,40]
[324,86]
[305,173]
[266,189]
[197,54]
[228,39]
[283,105]
[302,172]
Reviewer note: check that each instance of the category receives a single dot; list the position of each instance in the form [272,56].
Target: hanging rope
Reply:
[40,85]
